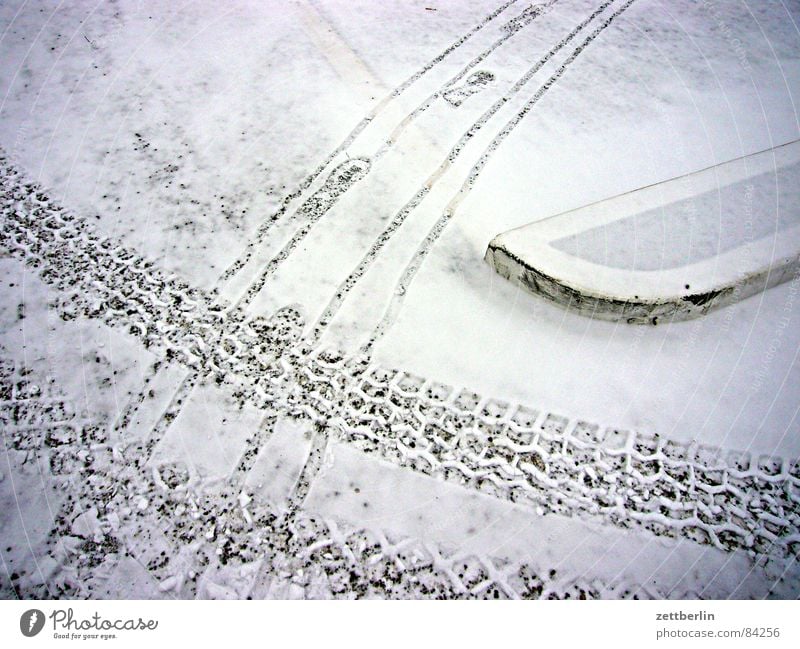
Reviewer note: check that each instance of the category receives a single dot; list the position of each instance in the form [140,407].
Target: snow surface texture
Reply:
[250,348]
[675,236]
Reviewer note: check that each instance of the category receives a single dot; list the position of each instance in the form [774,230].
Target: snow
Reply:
[279,463]
[287,371]
[208,435]
[404,502]
[696,228]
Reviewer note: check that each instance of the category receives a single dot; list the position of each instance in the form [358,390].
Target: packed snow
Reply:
[250,347]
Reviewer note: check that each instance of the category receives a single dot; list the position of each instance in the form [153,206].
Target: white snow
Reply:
[281,459]
[232,459]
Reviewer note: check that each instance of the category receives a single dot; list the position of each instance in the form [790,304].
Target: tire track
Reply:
[365,121]
[171,412]
[709,495]
[131,408]
[410,271]
[569,467]
[355,275]
[39,424]
[251,447]
[315,207]
[311,469]
[514,26]
[183,539]
[118,512]
[340,180]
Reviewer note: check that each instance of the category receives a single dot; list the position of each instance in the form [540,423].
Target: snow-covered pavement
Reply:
[250,347]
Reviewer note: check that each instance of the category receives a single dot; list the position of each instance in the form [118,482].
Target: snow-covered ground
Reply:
[250,346]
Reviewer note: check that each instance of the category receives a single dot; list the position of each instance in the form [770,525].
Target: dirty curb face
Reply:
[632,310]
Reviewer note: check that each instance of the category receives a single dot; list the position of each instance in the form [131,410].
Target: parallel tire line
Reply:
[410,271]
[357,130]
[388,232]
[324,199]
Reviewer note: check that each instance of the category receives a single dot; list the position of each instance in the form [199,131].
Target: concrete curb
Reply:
[528,257]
